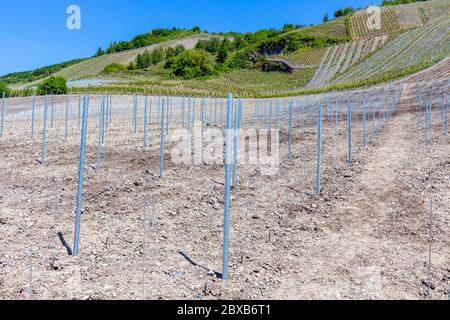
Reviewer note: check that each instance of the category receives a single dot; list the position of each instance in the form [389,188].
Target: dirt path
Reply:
[375,244]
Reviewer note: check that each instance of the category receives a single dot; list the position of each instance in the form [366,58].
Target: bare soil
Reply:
[364,237]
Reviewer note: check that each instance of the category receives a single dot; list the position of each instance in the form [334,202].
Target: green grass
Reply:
[242,83]
[333,28]
[304,57]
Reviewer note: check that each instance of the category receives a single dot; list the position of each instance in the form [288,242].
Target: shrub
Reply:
[212,45]
[143,60]
[53,85]
[4,89]
[192,64]
[157,56]
[100,52]
[173,52]
[240,60]
[222,54]
[344,12]
[114,67]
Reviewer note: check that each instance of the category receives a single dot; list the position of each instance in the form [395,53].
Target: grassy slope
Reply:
[333,28]
[244,83]
[94,66]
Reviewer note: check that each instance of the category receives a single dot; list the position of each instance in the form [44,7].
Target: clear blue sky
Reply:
[34,33]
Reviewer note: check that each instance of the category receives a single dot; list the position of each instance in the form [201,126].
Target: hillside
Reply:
[413,50]
[398,18]
[92,67]
[339,58]
[338,54]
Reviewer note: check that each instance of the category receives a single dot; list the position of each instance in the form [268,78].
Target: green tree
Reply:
[226,43]
[288,27]
[173,52]
[344,12]
[212,45]
[192,64]
[100,52]
[222,54]
[143,60]
[53,85]
[157,56]
[4,89]
[239,60]
[326,18]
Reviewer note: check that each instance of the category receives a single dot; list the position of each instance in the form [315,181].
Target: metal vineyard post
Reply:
[100,132]
[3,114]
[226,223]
[290,130]
[32,117]
[364,122]
[161,148]
[53,110]
[67,119]
[80,177]
[145,121]
[319,146]
[44,136]
[349,112]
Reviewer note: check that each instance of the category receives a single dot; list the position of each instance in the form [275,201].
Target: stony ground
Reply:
[364,237]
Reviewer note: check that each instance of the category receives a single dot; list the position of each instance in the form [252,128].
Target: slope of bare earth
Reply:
[363,237]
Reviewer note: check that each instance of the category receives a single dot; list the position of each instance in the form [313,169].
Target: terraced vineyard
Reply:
[338,59]
[358,28]
[416,48]
[304,57]
[398,18]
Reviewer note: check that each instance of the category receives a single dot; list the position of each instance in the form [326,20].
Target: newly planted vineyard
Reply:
[339,58]
[304,57]
[416,48]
